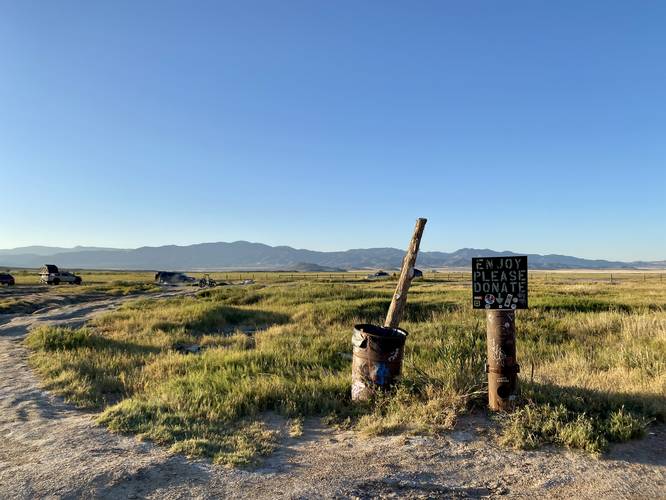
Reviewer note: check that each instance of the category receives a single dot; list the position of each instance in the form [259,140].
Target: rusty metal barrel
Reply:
[377,359]
[502,367]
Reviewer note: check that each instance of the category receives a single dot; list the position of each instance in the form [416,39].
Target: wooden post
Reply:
[397,307]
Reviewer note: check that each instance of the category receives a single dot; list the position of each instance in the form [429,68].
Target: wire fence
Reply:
[553,277]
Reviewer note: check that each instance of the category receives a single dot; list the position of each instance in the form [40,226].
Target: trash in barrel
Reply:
[377,359]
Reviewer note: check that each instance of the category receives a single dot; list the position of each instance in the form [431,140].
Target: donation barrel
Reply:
[377,359]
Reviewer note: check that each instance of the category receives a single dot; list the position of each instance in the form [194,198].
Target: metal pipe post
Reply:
[502,367]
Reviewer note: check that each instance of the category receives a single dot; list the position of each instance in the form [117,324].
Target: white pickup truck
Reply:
[51,275]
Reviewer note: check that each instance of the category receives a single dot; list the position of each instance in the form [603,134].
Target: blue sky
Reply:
[533,126]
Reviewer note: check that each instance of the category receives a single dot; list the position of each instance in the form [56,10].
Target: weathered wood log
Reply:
[397,307]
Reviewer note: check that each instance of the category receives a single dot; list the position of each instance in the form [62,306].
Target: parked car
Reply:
[172,278]
[51,275]
[7,279]
[378,274]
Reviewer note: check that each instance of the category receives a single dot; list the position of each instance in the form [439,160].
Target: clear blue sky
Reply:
[535,126]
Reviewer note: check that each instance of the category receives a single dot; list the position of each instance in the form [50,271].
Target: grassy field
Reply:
[593,357]
[96,277]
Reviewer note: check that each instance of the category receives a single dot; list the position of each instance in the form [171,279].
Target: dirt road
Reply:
[50,449]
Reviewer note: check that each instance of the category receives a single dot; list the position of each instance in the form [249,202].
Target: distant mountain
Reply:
[246,255]
[41,250]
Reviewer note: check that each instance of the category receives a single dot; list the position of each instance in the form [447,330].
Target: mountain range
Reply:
[257,256]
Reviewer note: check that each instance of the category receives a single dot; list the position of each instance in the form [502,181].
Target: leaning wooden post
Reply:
[399,300]
[378,350]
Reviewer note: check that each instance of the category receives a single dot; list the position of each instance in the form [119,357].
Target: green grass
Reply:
[597,352]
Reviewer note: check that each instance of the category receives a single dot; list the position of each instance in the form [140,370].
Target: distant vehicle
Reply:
[417,273]
[207,282]
[7,279]
[51,275]
[172,278]
[378,274]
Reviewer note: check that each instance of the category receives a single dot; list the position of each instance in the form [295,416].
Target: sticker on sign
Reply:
[501,281]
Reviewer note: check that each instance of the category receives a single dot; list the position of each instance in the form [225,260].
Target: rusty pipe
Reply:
[502,367]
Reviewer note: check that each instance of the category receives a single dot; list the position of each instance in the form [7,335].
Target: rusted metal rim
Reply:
[380,331]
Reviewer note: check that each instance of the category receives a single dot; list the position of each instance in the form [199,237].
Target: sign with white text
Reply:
[499,282]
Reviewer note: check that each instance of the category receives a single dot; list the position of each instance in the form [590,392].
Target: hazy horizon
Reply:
[423,248]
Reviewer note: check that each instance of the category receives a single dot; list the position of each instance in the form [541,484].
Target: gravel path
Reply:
[50,449]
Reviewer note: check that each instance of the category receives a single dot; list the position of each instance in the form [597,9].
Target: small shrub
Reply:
[623,426]
[536,425]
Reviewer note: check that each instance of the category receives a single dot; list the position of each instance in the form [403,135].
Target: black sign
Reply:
[499,282]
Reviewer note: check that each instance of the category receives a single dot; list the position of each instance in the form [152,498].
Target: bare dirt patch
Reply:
[22,300]
[49,448]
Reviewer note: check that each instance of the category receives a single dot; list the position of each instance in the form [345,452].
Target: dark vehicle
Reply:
[378,274]
[172,278]
[7,279]
[417,273]
[51,275]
